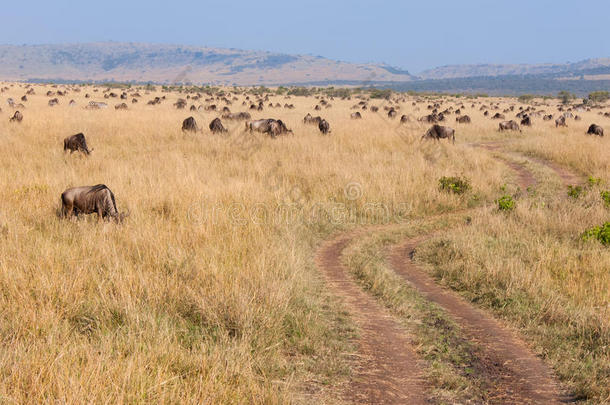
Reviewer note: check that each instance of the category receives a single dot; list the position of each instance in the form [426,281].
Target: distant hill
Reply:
[138,62]
[587,67]
[177,64]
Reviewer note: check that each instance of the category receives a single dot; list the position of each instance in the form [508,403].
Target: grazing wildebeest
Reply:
[526,121]
[464,119]
[324,126]
[190,125]
[121,106]
[89,200]
[404,119]
[216,126]
[577,118]
[76,143]
[548,117]
[236,116]
[180,104]
[268,126]
[374,108]
[595,130]
[438,132]
[497,116]
[561,122]
[312,120]
[17,117]
[392,113]
[356,115]
[53,102]
[509,126]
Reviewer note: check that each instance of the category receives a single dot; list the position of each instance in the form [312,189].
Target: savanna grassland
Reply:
[209,291]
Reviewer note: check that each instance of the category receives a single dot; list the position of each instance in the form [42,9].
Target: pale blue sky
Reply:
[410,35]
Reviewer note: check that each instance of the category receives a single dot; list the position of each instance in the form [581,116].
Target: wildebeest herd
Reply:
[100,199]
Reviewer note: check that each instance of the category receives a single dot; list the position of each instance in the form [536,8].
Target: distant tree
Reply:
[599,96]
[526,98]
[566,97]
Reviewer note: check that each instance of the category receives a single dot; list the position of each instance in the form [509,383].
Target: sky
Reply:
[409,35]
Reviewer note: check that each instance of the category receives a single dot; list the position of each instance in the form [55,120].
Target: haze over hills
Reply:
[177,64]
[597,66]
[180,64]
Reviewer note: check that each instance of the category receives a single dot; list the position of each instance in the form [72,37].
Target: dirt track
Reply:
[388,371]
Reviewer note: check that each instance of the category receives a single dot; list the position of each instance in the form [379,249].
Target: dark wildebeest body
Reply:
[190,125]
[89,200]
[438,132]
[268,126]
[561,122]
[312,120]
[76,143]
[509,126]
[324,127]
[216,126]
[17,117]
[356,115]
[464,119]
[527,121]
[595,130]
[497,116]
[404,119]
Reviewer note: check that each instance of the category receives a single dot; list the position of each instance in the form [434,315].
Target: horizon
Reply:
[388,33]
[542,62]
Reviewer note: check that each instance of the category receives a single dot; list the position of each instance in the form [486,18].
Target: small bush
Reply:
[574,191]
[599,233]
[506,203]
[606,197]
[455,185]
[594,181]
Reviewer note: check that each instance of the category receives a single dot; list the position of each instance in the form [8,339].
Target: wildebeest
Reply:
[464,119]
[526,121]
[497,116]
[190,125]
[404,119]
[356,115]
[216,126]
[392,113]
[268,126]
[17,117]
[89,200]
[324,126]
[561,122]
[548,117]
[121,106]
[75,143]
[595,130]
[438,132]
[96,105]
[53,102]
[509,126]
[236,116]
[312,120]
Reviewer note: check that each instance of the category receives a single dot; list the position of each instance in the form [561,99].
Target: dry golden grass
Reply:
[209,292]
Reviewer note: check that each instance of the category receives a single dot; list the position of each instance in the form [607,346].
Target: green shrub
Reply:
[506,203]
[594,181]
[599,233]
[574,191]
[455,185]
[606,197]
